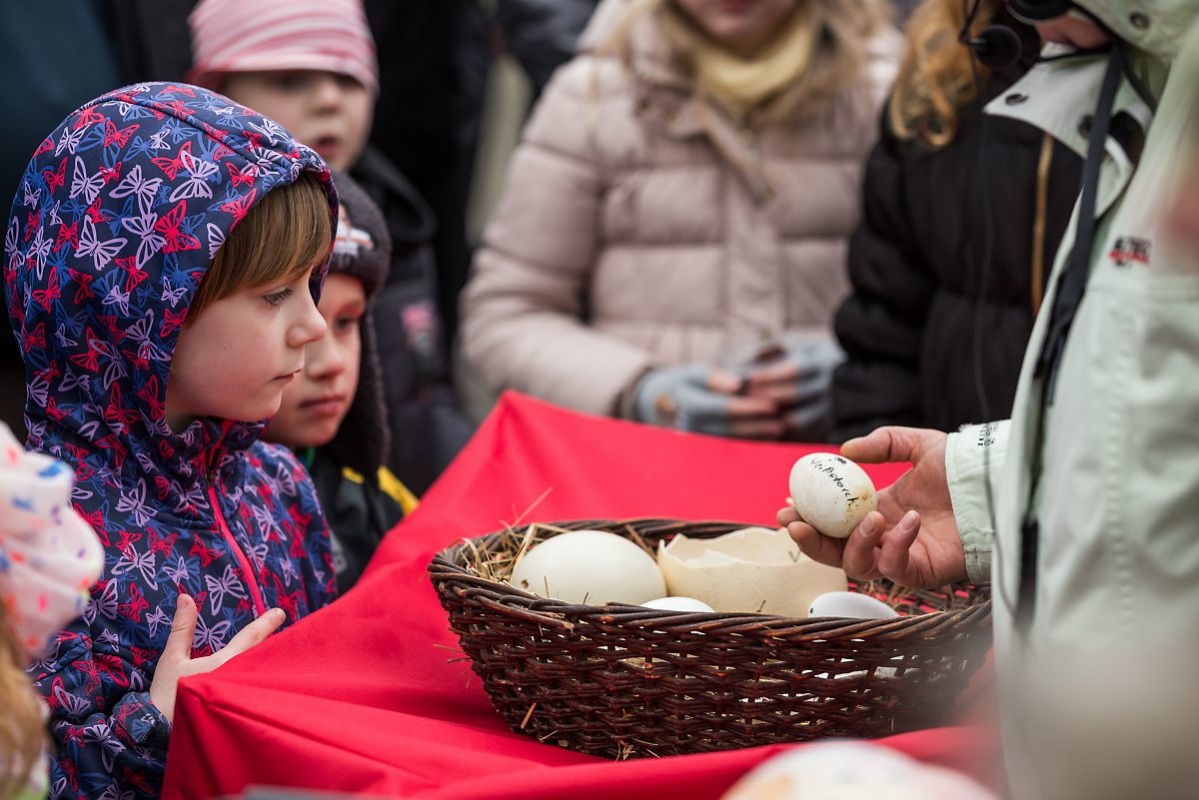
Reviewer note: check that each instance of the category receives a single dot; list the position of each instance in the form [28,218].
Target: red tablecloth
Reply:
[369,695]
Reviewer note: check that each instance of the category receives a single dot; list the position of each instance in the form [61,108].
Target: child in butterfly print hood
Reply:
[122,215]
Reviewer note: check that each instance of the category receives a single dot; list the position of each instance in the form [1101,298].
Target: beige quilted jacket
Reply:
[630,236]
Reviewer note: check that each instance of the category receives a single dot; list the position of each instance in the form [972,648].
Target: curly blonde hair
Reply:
[936,77]
[22,735]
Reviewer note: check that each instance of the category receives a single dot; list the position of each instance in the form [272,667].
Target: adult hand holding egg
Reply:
[912,537]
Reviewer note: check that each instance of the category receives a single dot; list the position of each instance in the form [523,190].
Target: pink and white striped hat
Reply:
[230,36]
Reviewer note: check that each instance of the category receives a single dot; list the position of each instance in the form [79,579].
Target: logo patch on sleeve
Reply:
[1130,250]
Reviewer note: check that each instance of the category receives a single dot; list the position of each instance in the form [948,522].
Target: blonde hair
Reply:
[22,732]
[936,77]
[284,234]
[819,50]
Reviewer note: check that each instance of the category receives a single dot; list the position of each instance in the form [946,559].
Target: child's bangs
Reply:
[283,235]
[296,232]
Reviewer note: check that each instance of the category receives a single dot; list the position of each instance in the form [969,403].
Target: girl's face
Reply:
[740,25]
[330,113]
[235,359]
[315,404]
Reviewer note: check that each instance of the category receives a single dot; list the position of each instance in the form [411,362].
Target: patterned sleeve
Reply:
[110,740]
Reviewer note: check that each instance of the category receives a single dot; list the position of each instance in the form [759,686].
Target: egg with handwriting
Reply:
[831,493]
[592,567]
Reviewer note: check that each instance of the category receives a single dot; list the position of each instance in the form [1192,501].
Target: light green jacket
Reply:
[1100,691]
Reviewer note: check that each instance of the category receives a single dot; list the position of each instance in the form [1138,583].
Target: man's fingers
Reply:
[253,634]
[861,558]
[884,445]
[183,630]
[895,555]
[815,546]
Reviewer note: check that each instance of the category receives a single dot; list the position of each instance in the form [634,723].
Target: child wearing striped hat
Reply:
[310,65]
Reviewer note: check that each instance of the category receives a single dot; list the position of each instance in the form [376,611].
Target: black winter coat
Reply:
[359,511]
[921,290]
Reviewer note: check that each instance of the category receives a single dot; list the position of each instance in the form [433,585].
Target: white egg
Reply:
[593,567]
[831,493]
[850,604]
[852,770]
[679,604]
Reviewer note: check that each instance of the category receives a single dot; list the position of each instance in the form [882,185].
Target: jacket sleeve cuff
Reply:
[137,721]
[974,457]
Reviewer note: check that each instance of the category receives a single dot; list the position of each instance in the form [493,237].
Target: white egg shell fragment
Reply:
[852,605]
[679,604]
[757,570]
[831,493]
[852,771]
[593,567]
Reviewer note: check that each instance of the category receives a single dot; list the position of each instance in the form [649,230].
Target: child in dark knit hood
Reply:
[333,414]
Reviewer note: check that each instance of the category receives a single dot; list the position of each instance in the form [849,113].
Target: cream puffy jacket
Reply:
[1099,699]
[628,236]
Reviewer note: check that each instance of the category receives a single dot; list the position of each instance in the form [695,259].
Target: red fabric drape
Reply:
[368,695]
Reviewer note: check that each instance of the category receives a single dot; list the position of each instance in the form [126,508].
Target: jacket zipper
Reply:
[227,534]
[247,570]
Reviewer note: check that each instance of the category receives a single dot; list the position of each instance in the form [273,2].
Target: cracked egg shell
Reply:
[755,570]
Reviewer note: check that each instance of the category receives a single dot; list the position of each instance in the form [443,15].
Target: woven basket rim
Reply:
[554,613]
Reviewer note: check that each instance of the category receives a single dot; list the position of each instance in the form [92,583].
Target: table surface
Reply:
[372,693]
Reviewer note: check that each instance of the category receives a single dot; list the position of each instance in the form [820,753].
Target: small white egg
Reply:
[679,604]
[593,567]
[831,493]
[850,604]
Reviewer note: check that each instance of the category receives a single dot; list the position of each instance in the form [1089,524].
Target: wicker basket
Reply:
[625,681]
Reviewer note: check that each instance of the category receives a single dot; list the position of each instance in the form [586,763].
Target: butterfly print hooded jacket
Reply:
[117,219]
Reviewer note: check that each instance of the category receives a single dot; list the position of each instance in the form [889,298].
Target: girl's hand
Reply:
[176,661]
[912,539]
